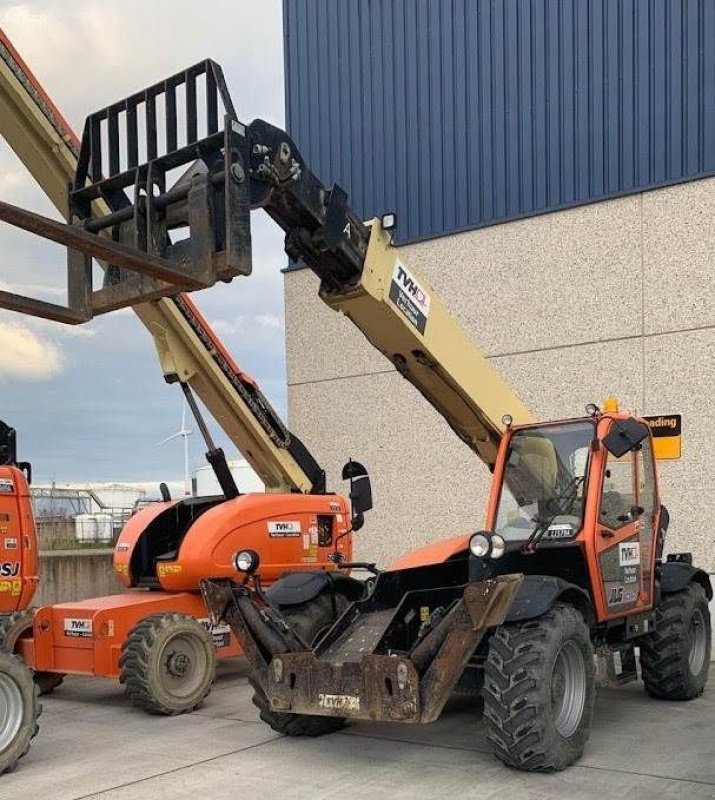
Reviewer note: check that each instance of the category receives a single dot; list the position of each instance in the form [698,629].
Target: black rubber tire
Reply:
[308,621]
[665,667]
[518,706]
[14,672]
[12,628]
[153,656]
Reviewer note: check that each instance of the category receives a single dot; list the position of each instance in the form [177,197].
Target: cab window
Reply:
[618,499]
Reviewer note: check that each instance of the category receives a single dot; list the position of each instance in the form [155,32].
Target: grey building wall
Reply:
[614,297]
[462,113]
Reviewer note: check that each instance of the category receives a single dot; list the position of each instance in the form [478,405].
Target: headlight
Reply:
[498,546]
[479,545]
[246,561]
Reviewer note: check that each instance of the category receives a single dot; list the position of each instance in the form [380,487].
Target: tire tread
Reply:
[664,664]
[9,662]
[135,665]
[515,697]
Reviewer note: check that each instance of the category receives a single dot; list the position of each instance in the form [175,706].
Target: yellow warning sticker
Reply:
[11,587]
[169,569]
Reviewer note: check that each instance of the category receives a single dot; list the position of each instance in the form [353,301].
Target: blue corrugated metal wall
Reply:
[462,113]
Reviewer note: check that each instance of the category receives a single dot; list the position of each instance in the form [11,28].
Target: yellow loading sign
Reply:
[667,430]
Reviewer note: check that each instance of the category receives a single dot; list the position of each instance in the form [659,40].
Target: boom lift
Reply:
[570,562]
[151,639]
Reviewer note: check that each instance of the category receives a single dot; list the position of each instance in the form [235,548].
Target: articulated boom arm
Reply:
[364,277]
[186,345]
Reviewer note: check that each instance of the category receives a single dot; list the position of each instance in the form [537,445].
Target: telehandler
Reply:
[156,637]
[570,564]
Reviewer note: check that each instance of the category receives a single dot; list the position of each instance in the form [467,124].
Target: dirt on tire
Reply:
[158,674]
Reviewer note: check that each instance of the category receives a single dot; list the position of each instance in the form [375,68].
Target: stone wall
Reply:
[613,298]
[75,575]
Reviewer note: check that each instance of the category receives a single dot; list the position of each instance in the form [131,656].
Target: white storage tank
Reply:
[105,527]
[85,528]
[116,495]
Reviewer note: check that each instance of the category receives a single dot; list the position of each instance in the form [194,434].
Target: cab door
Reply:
[625,530]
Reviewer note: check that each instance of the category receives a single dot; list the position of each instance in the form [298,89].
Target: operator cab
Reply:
[577,500]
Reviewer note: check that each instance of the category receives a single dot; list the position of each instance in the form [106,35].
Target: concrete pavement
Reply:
[93,744]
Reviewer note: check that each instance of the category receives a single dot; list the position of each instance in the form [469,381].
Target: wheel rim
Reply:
[11,710]
[698,642]
[183,664]
[568,689]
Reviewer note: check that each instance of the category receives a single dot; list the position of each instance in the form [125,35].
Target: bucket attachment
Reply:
[154,240]
[395,656]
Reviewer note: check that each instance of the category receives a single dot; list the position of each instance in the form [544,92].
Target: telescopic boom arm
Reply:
[365,278]
[227,173]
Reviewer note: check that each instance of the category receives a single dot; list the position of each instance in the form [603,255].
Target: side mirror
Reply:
[624,437]
[360,492]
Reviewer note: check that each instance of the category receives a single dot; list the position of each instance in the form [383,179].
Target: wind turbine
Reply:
[183,433]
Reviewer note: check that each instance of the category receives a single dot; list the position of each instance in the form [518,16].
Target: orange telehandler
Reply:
[571,562]
[156,637]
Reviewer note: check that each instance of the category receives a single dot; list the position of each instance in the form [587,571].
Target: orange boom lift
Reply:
[156,637]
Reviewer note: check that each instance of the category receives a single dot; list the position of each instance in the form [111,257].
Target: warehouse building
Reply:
[551,168]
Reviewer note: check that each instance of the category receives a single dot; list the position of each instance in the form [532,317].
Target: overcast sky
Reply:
[89,403]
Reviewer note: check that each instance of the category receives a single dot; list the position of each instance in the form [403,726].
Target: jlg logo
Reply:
[9,569]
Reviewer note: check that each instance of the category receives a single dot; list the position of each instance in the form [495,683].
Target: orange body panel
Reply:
[288,531]
[85,638]
[433,553]
[134,527]
[18,542]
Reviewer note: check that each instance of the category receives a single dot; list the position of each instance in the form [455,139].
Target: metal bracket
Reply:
[153,241]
